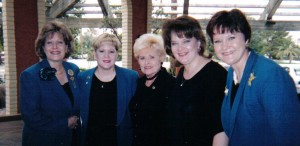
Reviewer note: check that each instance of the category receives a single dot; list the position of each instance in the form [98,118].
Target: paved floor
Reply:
[11,133]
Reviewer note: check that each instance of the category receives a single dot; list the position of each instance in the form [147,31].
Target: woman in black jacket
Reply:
[147,107]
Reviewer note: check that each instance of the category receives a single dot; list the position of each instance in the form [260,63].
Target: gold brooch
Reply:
[226,91]
[71,73]
[252,77]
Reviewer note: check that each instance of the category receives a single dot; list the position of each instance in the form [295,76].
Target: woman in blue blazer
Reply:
[48,90]
[105,94]
[260,105]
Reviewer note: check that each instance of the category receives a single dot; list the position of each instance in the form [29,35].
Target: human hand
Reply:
[72,122]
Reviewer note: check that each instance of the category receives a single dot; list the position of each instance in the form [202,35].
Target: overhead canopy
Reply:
[263,14]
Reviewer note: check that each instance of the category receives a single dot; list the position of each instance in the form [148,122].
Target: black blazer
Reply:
[147,109]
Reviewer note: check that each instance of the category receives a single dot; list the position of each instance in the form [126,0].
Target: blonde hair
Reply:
[106,37]
[149,41]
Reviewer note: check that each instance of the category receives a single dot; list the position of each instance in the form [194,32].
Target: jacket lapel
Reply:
[244,83]
[121,90]
[56,87]
[86,90]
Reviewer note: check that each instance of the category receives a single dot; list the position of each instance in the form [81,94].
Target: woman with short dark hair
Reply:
[260,105]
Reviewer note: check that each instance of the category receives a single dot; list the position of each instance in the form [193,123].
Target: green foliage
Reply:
[86,43]
[158,15]
[274,44]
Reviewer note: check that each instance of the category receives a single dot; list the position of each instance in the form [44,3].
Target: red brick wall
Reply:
[139,23]
[26,30]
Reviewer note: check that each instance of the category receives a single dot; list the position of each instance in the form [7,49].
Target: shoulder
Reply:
[267,65]
[87,72]
[167,76]
[72,65]
[126,72]
[215,71]
[216,66]
[33,69]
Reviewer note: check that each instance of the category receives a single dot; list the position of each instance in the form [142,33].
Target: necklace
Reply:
[182,81]
[104,80]
[151,78]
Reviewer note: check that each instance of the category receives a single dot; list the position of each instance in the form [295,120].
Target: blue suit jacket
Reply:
[126,86]
[266,110]
[45,106]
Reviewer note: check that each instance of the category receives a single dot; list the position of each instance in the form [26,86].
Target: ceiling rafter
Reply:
[255,24]
[270,10]
[186,7]
[265,21]
[59,7]
[79,5]
[105,8]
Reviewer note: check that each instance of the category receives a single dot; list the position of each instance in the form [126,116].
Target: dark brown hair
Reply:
[231,21]
[49,29]
[183,26]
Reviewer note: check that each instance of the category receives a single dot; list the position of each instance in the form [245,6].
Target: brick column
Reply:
[20,28]
[10,57]
[139,20]
[41,13]
[127,33]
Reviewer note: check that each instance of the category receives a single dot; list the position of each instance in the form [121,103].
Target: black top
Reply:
[69,92]
[75,134]
[194,109]
[102,120]
[234,88]
[147,109]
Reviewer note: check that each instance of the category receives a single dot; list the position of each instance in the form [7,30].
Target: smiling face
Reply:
[185,50]
[55,47]
[150,61]
[231,48]
[106,55]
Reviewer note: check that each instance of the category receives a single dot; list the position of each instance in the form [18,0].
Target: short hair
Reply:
[49,29]
[149,41]
[106,37]
[234,20]
[183,26]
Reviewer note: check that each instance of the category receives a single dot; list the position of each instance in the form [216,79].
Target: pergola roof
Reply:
[265,14]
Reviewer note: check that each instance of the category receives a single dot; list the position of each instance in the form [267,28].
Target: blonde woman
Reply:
[106,92]
[148,105]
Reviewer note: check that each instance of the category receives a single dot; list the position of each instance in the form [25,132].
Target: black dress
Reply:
[147,109]
[102,120]
[194,108]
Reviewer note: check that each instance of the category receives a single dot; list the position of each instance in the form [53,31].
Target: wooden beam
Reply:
[87,22]
[186,7]
[194,13]
[105,8]
[296,6]
[60,7]
[255,24]
[270,9]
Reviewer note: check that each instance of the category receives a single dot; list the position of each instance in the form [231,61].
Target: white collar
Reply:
[235,79]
